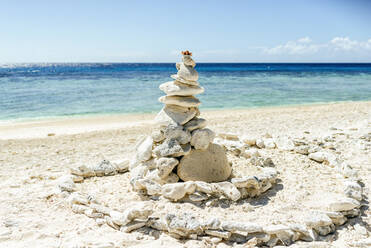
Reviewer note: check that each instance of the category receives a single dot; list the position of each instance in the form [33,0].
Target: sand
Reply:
[33,155]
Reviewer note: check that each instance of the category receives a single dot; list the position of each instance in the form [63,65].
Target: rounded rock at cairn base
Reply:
[209,165]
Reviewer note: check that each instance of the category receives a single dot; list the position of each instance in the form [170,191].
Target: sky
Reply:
[156,31]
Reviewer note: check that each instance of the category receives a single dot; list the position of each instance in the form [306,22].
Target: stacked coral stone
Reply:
[180,147]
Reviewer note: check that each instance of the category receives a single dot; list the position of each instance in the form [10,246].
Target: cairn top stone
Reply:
[187,60]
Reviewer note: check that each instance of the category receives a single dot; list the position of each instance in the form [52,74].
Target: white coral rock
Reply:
[201,138]
[144,150]
[344,204]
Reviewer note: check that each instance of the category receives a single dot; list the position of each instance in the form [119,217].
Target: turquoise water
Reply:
[29,91]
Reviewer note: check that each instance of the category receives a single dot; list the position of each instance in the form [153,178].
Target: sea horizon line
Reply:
[22,63]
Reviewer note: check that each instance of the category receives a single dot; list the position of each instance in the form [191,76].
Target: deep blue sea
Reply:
[33,91]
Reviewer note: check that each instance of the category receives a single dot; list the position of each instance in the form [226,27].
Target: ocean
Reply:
[36,91]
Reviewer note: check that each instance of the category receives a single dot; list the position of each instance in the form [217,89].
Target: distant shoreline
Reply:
[127,114]
[76,125]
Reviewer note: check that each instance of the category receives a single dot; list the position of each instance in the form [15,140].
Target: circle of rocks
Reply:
[186,226]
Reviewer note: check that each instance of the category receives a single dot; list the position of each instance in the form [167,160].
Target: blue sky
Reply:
[215,31]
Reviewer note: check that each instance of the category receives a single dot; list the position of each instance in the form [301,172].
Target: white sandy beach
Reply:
[33,155]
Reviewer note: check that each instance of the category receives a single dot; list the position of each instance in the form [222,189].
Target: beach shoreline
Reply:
[100,122]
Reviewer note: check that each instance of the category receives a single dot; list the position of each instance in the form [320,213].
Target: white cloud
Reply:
[304,40]
[300,46]
[305,46]
[346,44]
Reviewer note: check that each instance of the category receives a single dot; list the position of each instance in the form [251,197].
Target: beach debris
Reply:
[235,147]
[250,153]
[318,156]
[260,143]
[104,168]
[249,140]
[66,183]
[284,143]
[269,143]
[228,136]
[343,204]
[228,190]
[353,190]
[303,149]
